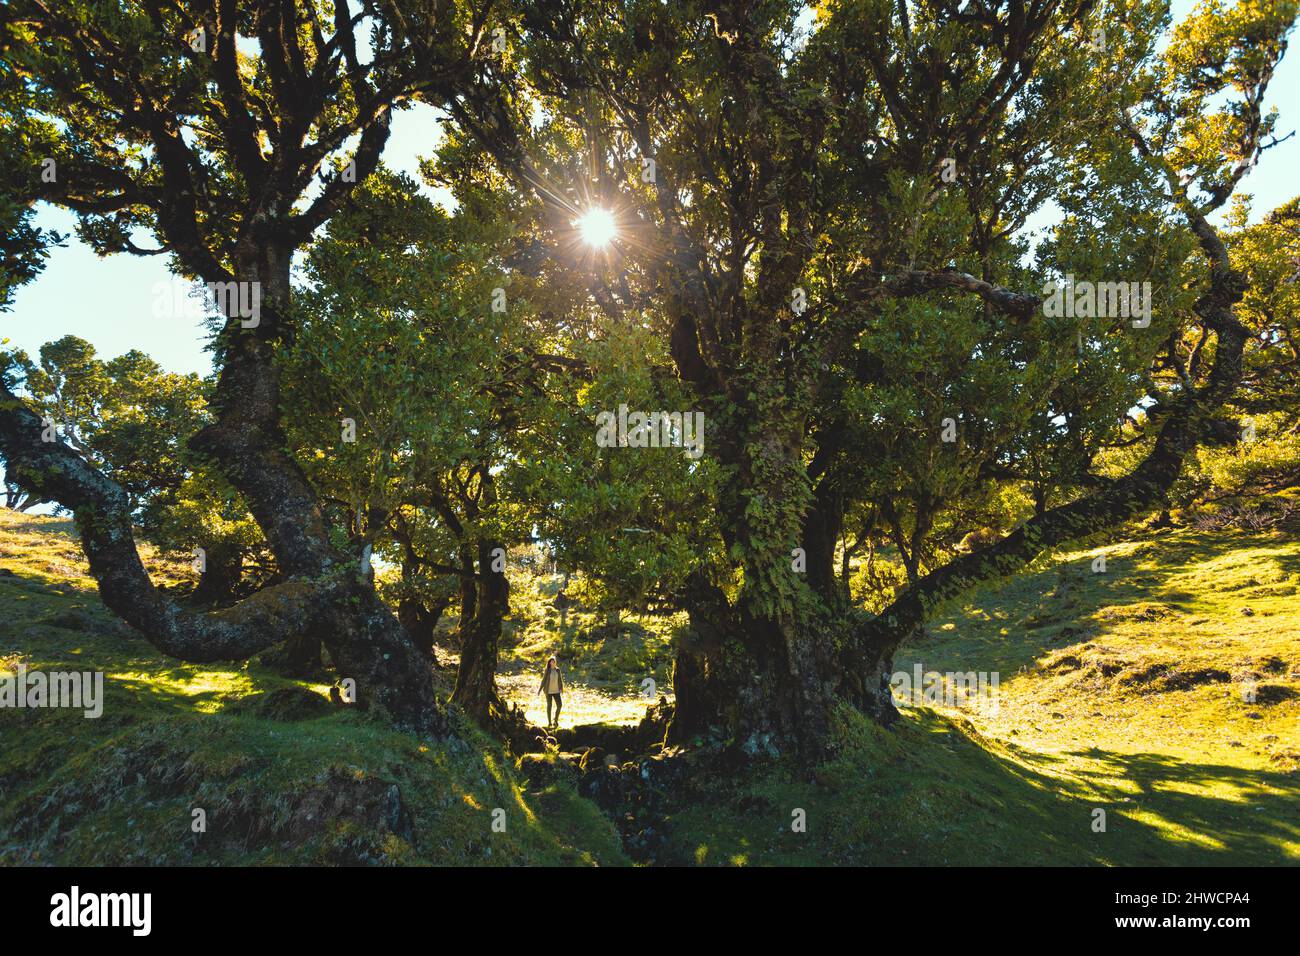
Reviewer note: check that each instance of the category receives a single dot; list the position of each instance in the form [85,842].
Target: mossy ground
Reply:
[282,777]
[1120,691]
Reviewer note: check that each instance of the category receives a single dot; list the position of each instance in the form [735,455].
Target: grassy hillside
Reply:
[281,775]
[1120,691]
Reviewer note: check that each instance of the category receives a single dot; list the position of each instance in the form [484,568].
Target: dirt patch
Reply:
[1098,667]
[1144,611]
[1273,590]
[1090,665]
[1286,760]
[1274,693]
[1161,677]
[1062,661]
[1269,665]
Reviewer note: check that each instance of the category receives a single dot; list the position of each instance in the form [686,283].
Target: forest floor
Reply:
[1164,692]
[279,775]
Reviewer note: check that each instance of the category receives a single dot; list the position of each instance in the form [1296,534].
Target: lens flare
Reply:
[597,227]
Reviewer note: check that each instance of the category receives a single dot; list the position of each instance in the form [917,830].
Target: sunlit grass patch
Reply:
[1126,691]
[280,779]
[1139,681]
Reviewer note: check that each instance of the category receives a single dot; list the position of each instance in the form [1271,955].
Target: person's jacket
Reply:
[547,673]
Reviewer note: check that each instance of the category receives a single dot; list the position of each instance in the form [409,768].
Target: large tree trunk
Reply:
[766,671]
[325,595]
[299,657]
[769,684]
[366,643]
[822,529]
[420,619]
[222,569]
[476,689]
[468,596]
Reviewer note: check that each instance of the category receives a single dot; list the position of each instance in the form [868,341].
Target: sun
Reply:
[597,228]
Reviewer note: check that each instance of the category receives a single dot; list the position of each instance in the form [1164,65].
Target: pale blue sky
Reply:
[111,302]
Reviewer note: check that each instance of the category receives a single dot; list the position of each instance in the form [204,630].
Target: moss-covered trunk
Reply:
[476,689]
[769,685]
[325,597]
[765,671]
[222,570]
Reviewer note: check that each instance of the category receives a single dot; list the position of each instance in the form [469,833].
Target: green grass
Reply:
[1119,692]
[281,776]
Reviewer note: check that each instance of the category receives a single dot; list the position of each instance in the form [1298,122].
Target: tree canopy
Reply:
[815,234]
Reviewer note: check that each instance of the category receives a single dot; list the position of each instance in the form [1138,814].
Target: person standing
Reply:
[553,685]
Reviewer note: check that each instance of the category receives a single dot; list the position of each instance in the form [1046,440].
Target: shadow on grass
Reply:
[1259,813]
[931,792]
[1159,809]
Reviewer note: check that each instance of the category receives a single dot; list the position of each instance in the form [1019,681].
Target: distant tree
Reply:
[132,420]
[126,416]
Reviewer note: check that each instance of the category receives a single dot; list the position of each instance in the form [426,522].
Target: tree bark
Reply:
[420,620]
[222,570]
[326,597]
[822,529]
[476,689]
[469,589]
[764,672]
[769,684]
